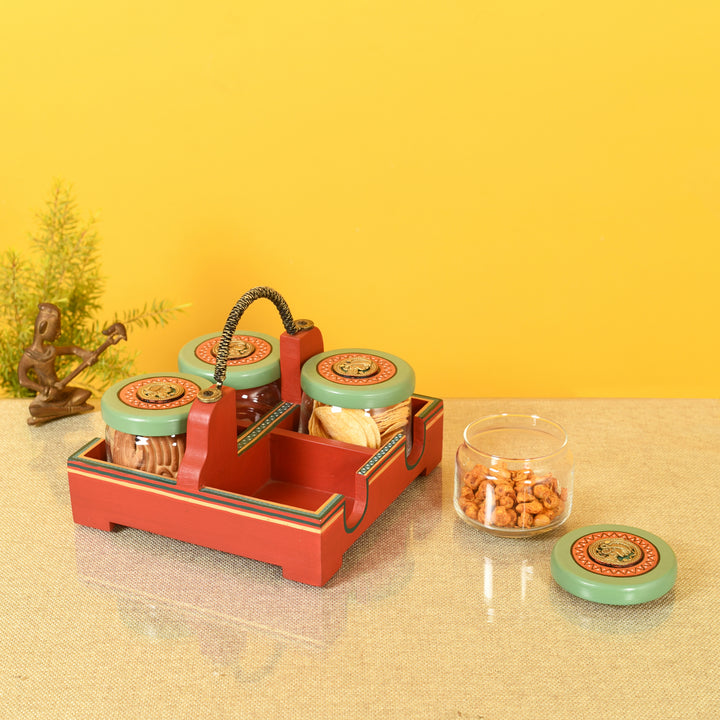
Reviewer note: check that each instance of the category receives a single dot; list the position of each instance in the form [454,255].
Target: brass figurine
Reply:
[55,398]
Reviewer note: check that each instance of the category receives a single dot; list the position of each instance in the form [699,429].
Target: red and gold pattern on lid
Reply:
[356,369]
[151,405]
[615,553]
[613,564]
[357,378]
[160,392]
[244,350]
[253,358]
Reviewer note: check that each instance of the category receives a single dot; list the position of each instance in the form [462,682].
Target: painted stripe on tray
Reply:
[225,497]
[263,426]
[433,405]
[215,505]
[253,511]
[111,470]
[247,499]
[386,452]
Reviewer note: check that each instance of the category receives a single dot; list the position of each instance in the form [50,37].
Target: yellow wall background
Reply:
[519,198]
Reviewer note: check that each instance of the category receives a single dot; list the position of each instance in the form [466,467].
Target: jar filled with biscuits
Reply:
[253,369]
[514,475]
[358,396]
[146,421]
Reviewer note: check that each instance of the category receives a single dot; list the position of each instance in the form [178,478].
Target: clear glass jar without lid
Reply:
[514,475]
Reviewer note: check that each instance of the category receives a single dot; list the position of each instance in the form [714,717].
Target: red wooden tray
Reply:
[269,493]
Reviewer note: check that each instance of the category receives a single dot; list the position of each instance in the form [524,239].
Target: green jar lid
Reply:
[152,405]
[357,378]
[613,564]
[253,360]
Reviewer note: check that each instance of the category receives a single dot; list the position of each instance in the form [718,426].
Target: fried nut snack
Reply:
[498,497]
[370,429]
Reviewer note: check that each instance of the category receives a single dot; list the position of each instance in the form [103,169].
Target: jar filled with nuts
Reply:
[358,396]
[514,475]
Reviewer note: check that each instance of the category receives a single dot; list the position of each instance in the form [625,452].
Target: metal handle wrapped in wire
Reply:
[291,326]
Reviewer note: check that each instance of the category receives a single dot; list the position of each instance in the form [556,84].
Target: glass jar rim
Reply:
[560,434]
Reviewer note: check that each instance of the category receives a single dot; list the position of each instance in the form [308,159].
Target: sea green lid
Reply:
[253,359]
[613,564]
[357,378]
[151,405]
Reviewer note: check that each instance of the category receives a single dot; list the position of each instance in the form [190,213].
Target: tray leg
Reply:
[312,570]
[90,517]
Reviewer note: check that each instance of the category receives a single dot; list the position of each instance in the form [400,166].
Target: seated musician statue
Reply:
[36,370]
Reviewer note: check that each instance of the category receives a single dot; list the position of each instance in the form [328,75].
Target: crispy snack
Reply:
[347,425]
[391,420]
[359,427]
[315,427]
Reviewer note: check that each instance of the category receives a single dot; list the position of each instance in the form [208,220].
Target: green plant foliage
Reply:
[65,270]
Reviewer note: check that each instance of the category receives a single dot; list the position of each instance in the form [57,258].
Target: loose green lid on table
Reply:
[393,381]
[614,564]
[259,368]
[122,410]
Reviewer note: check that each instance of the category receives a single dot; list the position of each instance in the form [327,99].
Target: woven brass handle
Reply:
[291,326]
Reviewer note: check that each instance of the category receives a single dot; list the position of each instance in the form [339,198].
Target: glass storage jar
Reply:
[514,475]
[356,395]
[253,369]
[146,421]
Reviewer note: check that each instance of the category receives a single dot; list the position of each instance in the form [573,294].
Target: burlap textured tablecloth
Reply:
[428,618]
